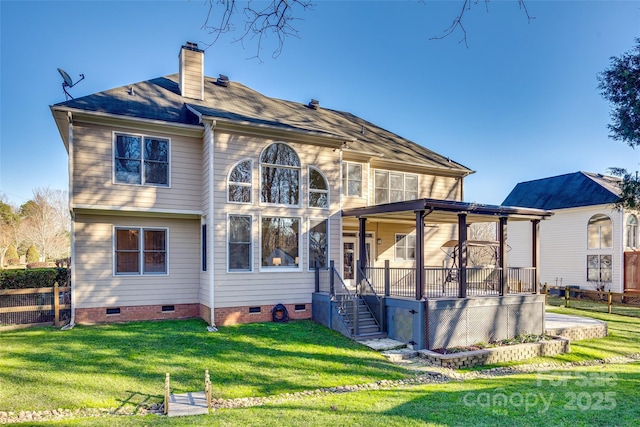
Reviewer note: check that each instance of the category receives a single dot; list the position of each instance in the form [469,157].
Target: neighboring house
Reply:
[198,196]
[587,242]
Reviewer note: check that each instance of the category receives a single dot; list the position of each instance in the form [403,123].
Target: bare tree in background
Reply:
[47,223]
[482,255]
[259,19]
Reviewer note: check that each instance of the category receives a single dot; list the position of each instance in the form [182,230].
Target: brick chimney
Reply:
[191,78]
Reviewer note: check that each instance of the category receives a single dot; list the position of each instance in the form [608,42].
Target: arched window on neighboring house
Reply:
[599,232]
[239,183]
[280,175]
[632,231]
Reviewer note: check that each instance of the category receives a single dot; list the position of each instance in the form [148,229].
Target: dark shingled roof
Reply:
[160,99]
[564,191]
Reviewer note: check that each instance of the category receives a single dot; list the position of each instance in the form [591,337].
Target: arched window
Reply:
[599,232]
[318,189]
[239,183]
[632,231]
[280,175]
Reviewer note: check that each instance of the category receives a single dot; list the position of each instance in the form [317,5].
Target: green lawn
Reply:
[598,306]
[104,366]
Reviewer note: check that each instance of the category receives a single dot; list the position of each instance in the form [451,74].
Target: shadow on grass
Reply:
[105,365]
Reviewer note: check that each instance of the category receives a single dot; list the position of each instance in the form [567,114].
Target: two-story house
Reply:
[589,242]
[198,196]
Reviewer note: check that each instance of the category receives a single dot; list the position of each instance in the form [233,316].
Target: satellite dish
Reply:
[65,77]
[68,82]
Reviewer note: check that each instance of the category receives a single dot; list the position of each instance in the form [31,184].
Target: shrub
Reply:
[32,255]
[11,254]
[37,278]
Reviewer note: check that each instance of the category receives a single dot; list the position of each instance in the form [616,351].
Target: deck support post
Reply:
[502,257]
[362,242]
[462,255]
[420,215]
[535,252]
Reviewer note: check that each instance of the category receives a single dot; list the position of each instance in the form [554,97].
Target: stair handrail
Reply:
[364,280]
[342,301]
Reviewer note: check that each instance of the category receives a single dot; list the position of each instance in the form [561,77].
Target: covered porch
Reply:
[429,306]
[460,280]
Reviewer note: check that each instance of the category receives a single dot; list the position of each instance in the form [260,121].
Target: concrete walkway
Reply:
[564,321]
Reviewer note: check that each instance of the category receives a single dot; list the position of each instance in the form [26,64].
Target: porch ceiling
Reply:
[445,212]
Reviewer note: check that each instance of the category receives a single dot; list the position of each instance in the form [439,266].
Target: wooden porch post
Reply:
[462,255]
[419,254]
[535,252]
[502,257]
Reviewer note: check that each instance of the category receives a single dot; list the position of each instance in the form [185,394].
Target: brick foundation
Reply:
[223,315]
[233,315]
[136,312]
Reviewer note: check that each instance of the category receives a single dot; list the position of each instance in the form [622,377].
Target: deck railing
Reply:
[445,282]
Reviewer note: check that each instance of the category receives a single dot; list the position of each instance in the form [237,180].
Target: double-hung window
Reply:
[351,179]
[140,250]
[239,243]
[405,247]
[141,160]
[318,243]
[393,187]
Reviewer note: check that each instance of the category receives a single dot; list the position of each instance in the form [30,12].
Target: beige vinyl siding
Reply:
[263,287]
[97,286]
[563,247]
[349,202]
[93,172]
[439,187]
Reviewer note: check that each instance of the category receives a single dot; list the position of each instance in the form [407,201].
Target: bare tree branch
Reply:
[261,19]
[457,23]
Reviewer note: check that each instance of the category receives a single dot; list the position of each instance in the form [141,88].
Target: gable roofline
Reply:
[565,191]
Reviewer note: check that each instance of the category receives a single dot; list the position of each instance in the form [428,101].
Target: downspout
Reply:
[209,129]
[72,265]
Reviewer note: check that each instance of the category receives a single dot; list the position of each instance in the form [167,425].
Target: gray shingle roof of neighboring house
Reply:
[160,99]
[565,191]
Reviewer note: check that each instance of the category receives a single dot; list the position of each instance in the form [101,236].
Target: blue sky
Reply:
[519,103]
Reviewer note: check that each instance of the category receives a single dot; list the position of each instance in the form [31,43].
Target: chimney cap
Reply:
[192,46]
[314,104]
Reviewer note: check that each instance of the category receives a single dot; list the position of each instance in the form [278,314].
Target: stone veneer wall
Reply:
[497,354]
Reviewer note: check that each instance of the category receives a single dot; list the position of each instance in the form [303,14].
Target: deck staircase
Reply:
[367,328]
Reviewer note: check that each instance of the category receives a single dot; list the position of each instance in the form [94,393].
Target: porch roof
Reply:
[446,211]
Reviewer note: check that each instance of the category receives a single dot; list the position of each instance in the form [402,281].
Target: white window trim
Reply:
[114,181]
[242,184]
[309,190]
[252,242]
[600,247]
[300,179]
[404,184]
[306,260]
[141,273]
[395,239]
[301,257]
[345,189]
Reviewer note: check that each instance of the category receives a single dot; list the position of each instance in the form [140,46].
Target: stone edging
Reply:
[493,355]
[438,375]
